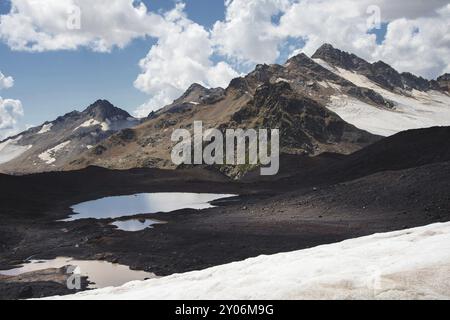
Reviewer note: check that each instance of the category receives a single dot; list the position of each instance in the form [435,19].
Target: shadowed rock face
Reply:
[305,125]
[306,77]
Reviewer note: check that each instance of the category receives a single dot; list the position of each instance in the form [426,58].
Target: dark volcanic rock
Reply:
[411,81]
[402,180]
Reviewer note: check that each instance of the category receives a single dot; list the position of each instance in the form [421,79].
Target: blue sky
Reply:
[206,41]
[50,84]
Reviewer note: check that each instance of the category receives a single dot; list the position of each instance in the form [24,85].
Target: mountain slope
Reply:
[404,150]
[417,102]
[293,97]
[51,145]
[306,126]
[333,102]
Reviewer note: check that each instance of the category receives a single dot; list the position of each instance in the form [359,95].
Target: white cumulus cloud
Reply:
[181,57]
[10,110]
[417,38]
[42,25]
[248,33]
[5,82]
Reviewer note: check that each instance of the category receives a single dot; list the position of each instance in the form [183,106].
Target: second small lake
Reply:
[136,224]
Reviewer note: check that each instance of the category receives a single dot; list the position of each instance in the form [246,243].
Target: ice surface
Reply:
[49,156]
[10,149]
[408,264]
[413,110]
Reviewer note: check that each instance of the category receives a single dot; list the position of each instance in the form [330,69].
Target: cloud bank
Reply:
[181,56]
[417,38]
[10,110]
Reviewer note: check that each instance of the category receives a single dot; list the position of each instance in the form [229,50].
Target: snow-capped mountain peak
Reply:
[54,144]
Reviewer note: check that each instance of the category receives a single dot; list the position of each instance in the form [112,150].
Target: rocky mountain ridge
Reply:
[53,144]
[332,102]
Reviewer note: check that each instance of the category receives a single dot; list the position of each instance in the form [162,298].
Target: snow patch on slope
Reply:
[87,124]
[9,149]
[49,155]
[413,110]
[324,64]
[106,125]
[386,122]
[408,264]
[46,128]
[278,80]
[327,84]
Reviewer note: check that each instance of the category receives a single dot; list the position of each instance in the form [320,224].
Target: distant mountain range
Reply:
[332,102]
[54,144]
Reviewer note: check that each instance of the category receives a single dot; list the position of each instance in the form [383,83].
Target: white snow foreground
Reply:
[408,264]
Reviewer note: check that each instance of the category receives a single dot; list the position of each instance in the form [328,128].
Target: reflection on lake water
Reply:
[101,273]
[144,203]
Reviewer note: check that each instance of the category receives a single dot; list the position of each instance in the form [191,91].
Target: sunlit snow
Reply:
[9,149]
[413,110]
[408,264]
[49,156]
[46,128]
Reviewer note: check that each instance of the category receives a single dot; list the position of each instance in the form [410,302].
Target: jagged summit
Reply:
[100,104]
[301,62]
[379,72]
[103,109]
[196,87]
[334,101]
[342,59]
